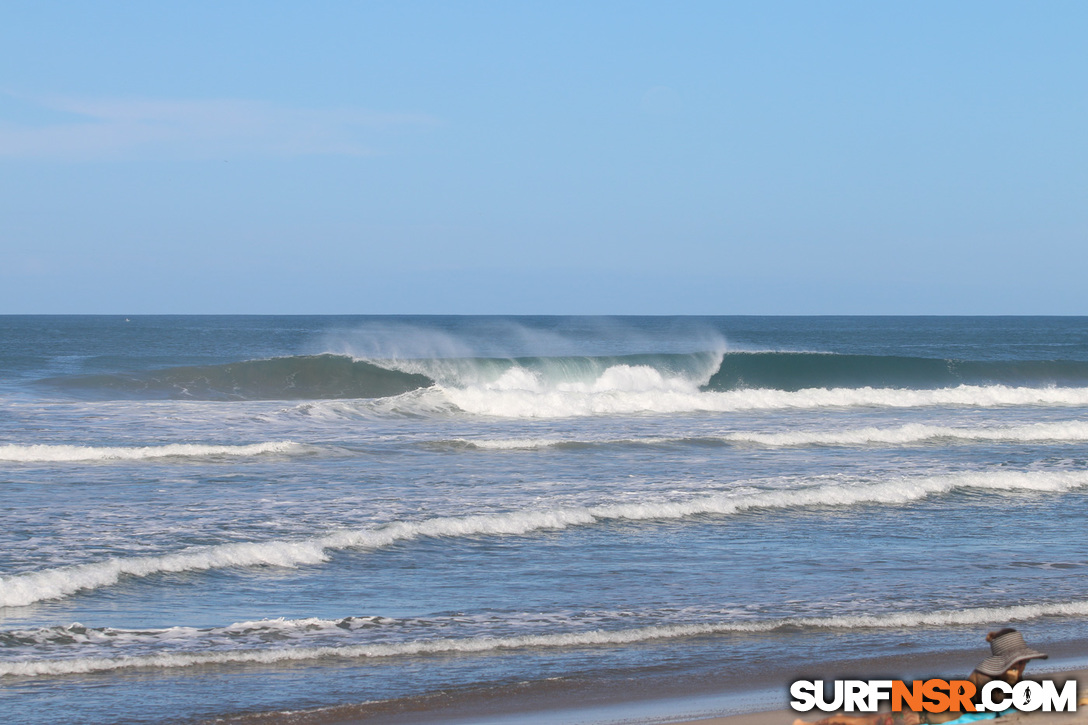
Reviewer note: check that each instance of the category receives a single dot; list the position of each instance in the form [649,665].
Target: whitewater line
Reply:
[66,453]
[901,435]
[24,589]
[679,396]
[919,433]
[898,620]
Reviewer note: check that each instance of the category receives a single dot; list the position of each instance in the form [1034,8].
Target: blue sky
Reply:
[535,158]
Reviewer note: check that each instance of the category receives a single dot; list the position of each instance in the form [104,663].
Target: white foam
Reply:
[51,453]
[597,637]
[24,589]
[900,435]
[631,379]
[615,378]
[918,433]
[508,444]
[629,392]
[570,373]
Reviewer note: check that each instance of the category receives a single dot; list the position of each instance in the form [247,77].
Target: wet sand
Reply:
[559,708]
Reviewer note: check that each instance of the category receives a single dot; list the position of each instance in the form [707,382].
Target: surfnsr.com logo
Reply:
[934,696]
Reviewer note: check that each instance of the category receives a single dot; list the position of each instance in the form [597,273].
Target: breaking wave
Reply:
[58,453]
[596,637]
[530,387]
[530,403]
[27,588]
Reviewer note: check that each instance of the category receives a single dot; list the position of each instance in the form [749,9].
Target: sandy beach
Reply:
[541,708]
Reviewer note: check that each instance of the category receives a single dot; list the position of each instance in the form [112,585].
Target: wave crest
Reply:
[596,637]
[793,371]
[910,433]
[564,403]
[28,588]
[62,453]
[604,385]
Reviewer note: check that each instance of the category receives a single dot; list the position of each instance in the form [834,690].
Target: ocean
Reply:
[207,517]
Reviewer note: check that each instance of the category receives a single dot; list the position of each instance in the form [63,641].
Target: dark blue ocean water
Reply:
[208,516]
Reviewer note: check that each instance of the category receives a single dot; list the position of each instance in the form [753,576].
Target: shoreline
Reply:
[664,700]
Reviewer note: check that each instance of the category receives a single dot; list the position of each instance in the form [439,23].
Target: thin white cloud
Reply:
[135,128]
